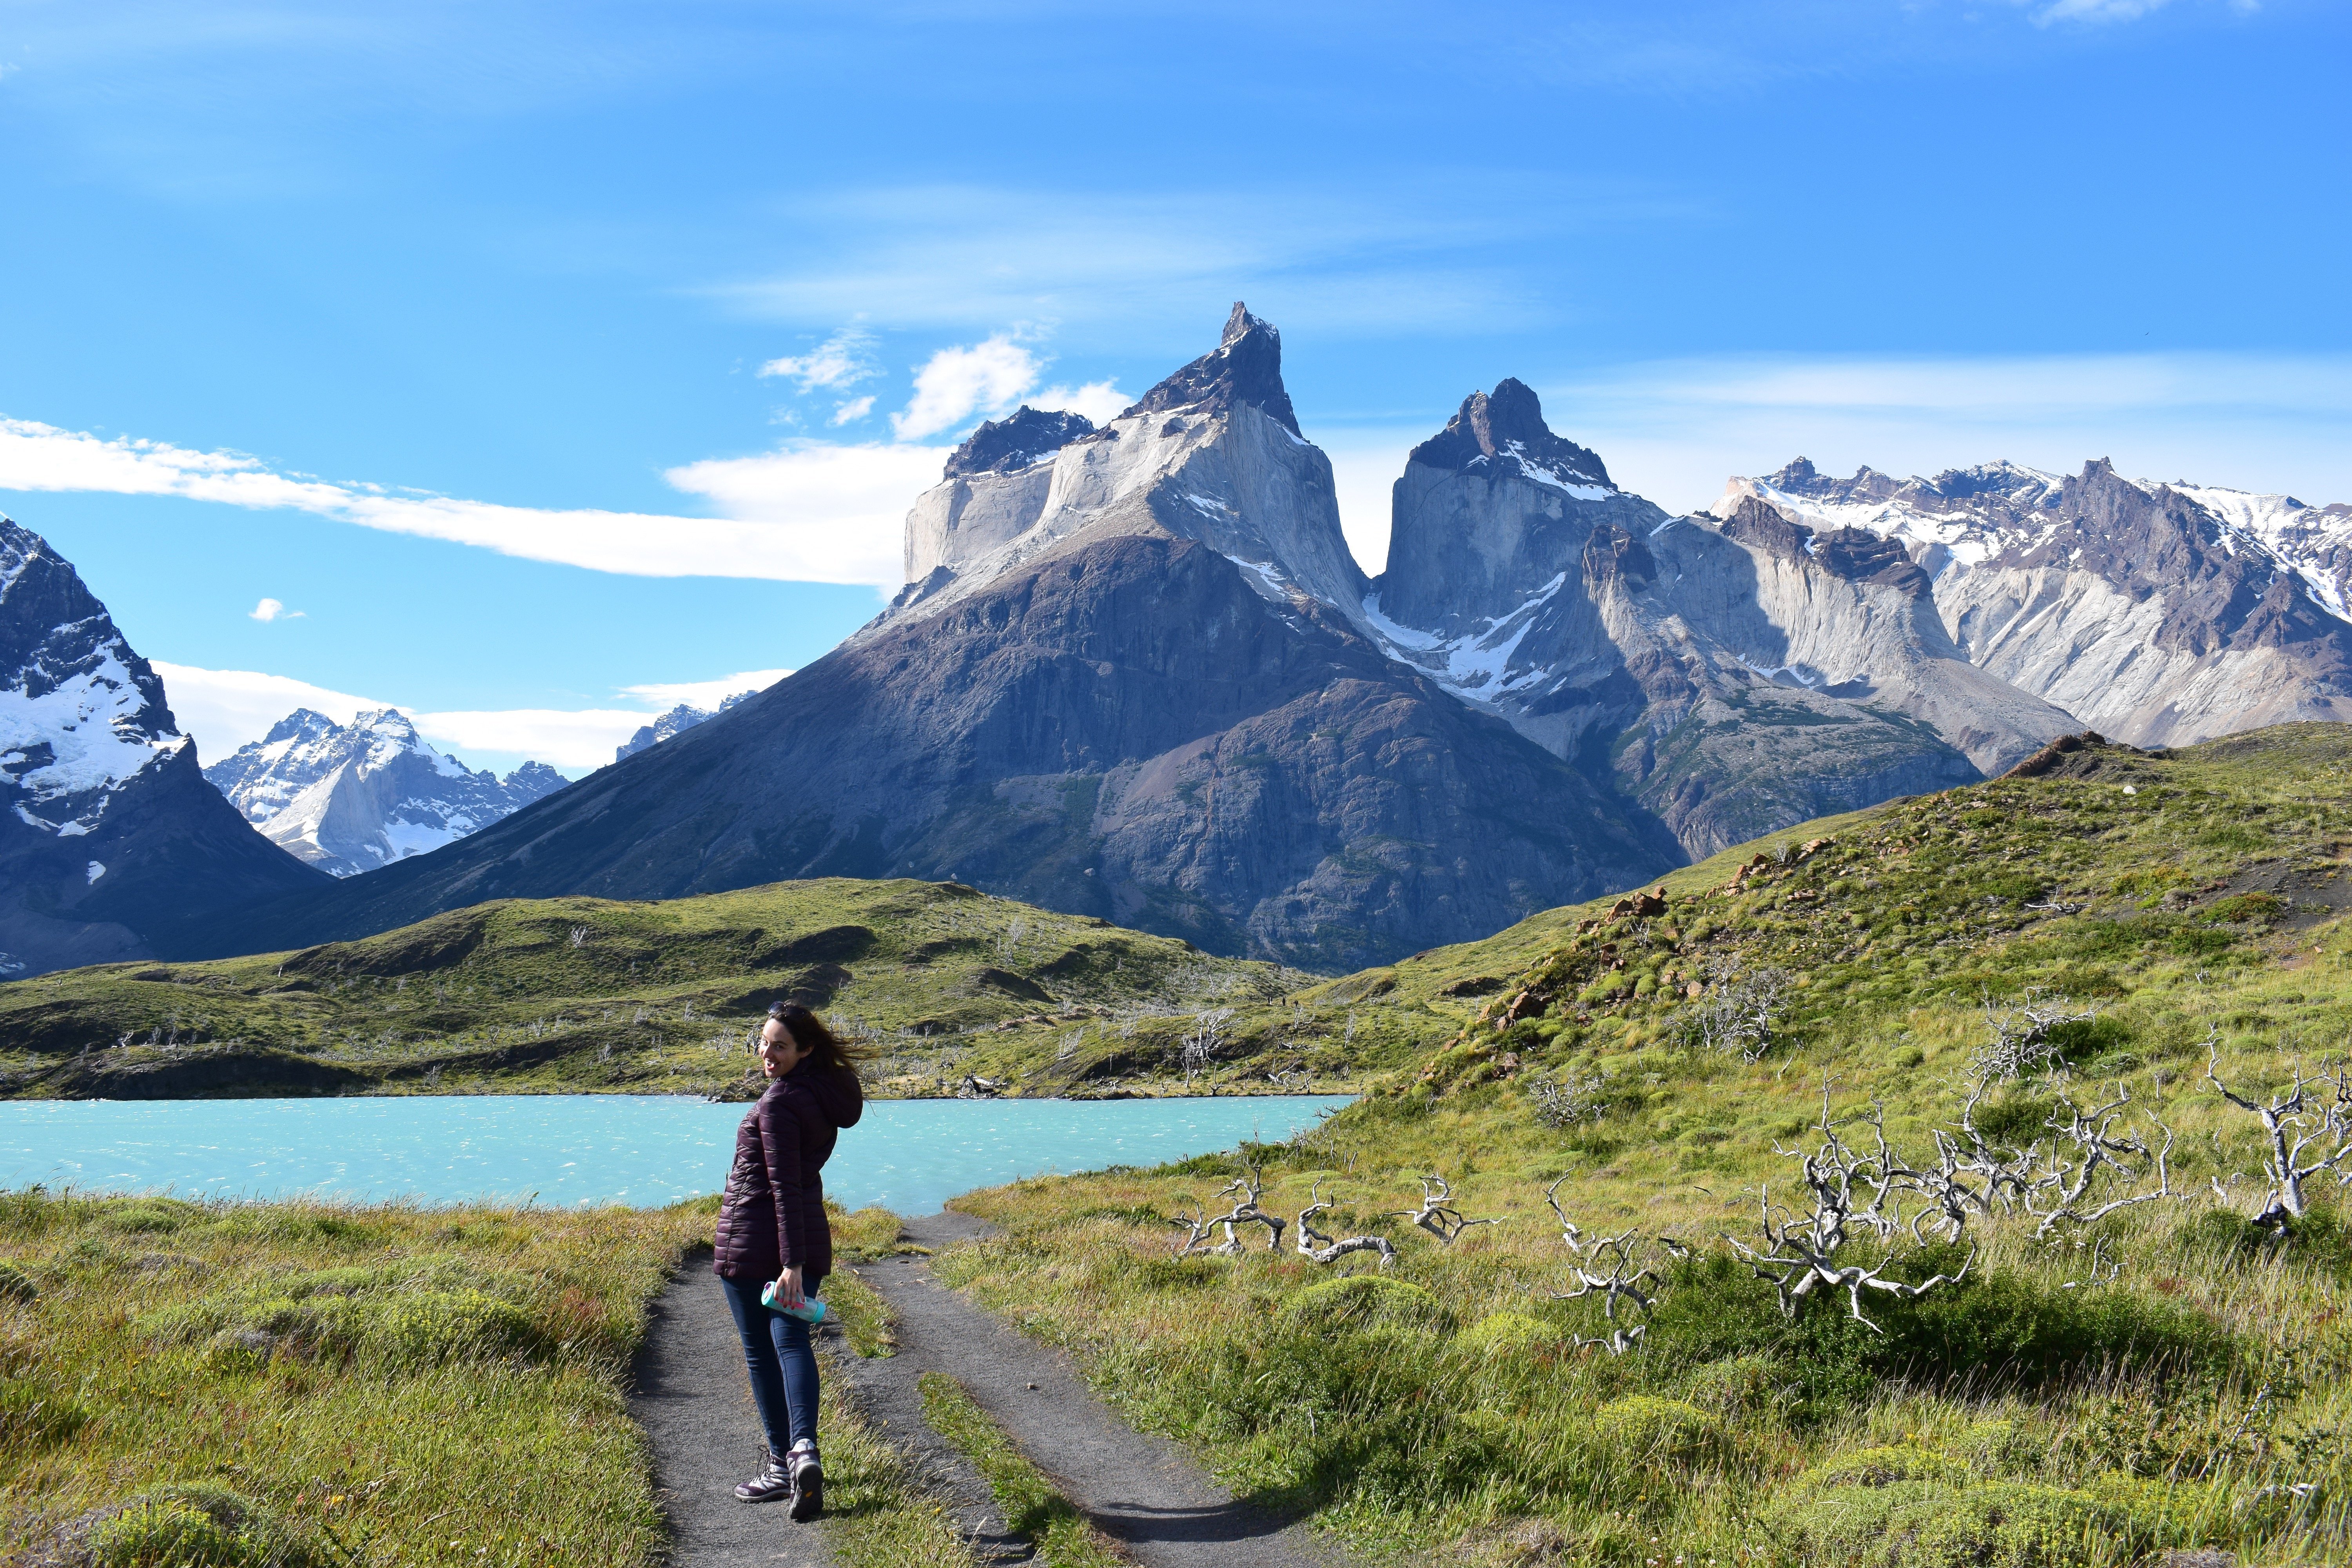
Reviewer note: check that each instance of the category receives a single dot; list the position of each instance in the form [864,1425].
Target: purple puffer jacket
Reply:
[773,1213]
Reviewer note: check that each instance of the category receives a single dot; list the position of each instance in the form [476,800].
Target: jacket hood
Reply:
[839,1096]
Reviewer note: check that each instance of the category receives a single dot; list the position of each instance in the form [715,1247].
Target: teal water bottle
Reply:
[810,1310]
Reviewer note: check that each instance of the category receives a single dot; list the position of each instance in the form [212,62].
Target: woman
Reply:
[771,1227]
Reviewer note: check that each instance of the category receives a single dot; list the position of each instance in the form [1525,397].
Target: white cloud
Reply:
[1099,401]
[272,610]
[807,513]
[842,508]
[957,383]
[565,737]
[705,694]
[842,360]
[856,408]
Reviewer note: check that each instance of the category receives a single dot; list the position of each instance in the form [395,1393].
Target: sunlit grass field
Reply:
[2169,1380]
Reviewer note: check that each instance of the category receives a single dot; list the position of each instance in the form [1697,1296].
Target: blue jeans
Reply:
[781,1361]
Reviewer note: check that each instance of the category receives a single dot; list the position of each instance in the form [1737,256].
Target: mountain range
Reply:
[676,721]
[109,830]
[358,797]
[1135,673]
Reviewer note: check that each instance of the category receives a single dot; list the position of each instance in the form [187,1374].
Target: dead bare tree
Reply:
[1437,1214]
[1739,1014]
[1609,1267]
[2309,1126]
[2020,1040]
[2088,1143]
[1318,1247]
[1199,1047]
[1849,1191]
[1569,1101]
[1243,1191]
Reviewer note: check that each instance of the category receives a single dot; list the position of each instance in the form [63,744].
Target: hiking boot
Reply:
[807,1482]
[775,1481]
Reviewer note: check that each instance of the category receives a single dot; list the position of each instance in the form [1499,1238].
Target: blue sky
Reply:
[558,361]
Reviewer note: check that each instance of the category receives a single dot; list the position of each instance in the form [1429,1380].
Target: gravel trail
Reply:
[1144,1493]
[694,1401]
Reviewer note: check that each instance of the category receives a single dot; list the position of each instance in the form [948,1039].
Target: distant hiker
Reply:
[771,1227]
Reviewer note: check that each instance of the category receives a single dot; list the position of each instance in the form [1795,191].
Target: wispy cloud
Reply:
[272,610]
[808,512]
[1422,252]
[707,694]
[850,412]
[842,360]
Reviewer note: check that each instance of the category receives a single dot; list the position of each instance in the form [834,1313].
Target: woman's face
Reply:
[779,1052]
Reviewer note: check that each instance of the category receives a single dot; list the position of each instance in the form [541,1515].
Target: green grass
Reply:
[2034,1413]
[308,1385]
[1059,1534]
[585,994]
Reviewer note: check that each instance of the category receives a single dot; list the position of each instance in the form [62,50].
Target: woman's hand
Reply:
[788,1288]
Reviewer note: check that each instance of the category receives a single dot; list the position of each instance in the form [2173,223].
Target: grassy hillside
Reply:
[586,994]
[2169,1380]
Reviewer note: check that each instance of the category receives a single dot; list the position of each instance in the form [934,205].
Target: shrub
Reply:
[35,1413]
[402,1317]
[193,1526]
[15,1285]
[1647,1430]
[1922,1524]
[148,1216]
[1506,1336]
[1362,1301]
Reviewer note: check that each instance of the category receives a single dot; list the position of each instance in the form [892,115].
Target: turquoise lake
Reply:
[911,1155]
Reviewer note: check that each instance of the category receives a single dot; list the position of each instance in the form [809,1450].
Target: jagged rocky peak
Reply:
[1244,367]
[1214,452]
[1021,439]
[352,798]
[670,725]
[1493,509]
[1507,426]
[106,827]
[2160,613]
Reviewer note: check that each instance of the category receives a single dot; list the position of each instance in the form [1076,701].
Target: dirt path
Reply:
[695,1403]
[1144,1493]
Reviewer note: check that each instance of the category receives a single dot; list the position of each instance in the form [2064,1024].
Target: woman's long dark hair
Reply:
[810,1032]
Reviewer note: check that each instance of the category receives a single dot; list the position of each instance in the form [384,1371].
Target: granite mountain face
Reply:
[358,797]
[109,830]
[1135,673]
[1131,677]
[1725,676]
[2159,615]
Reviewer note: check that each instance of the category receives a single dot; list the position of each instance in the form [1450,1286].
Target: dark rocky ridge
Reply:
[1128,729]
[1022,437]
[1504,423]
[170,847]
[1244,367]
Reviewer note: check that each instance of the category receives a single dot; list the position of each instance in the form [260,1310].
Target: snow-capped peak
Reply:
[350,798]
[80,714]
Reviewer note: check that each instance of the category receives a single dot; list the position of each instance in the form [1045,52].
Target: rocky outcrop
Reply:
[107,827]
[2160,615]
[1212,453]
[357,797]
[1728,676]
